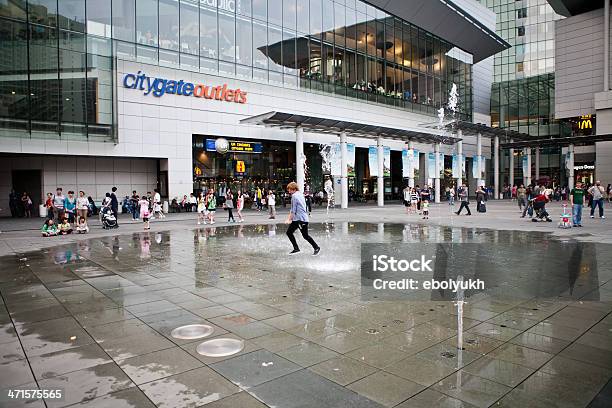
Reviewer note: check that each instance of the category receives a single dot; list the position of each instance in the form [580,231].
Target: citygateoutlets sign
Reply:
[161,86]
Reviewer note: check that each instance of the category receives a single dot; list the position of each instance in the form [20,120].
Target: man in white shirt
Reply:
[597,192]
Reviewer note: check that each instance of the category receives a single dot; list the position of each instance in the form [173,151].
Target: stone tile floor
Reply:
[94,318]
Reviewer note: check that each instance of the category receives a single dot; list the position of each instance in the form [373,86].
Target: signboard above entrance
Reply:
[236,146]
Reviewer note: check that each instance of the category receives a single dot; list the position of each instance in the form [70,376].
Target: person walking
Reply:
[451,195]
[134,199]
[528,197]
[576,197]
[406,194]
[114,203]
[82,206]
[157,205]
[597,193]
[229,205]
[211,205]
[521,195]
[143,205]
[202,213]
[298,219]
[240,205]
[27,205]
[481,197]
[272,205]
[465,201]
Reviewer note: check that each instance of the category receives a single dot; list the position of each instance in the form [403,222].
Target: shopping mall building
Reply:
[136,93]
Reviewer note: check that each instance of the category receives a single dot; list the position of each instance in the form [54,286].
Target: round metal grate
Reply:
[220,347]
[192,331]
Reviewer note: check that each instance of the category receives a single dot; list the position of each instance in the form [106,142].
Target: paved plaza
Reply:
[93,315]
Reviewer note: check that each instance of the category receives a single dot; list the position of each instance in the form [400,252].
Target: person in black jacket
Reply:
[114,203]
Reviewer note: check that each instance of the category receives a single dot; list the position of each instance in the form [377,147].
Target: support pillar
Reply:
[460,156]
[299,158]
[496,167]
[479,154]
[411,178]
[437,175]
[511,167]
[527,175]
[570,170]
[606,35]
[380,180]
[344,171]
[537,164]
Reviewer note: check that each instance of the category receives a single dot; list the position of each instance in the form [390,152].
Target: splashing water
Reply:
[453,99]
[326,153]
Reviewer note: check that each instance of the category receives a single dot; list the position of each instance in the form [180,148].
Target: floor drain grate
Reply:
[471,341]
[192,332]
[448,354]
[373,331]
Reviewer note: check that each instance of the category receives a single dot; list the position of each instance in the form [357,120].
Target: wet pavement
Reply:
[95,317]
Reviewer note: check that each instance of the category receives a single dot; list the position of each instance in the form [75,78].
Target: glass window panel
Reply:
[289,14]
[243,7]
[208,32]
[302,56]
[227,39]
[389,43]
[339,24]
[339,76]
[13,9]
[379,43]
[397,43]
[125,50]
[275,48]
[99,90]
[146,54]
[350,62]
[169,24]
[190,62]
[275,12]
[44,88]
[124,14]
[362,32]
[245,72]
[351,29]
[275,78]
[168,58]
[260,75]
[43,12]
[209,65]
[146,22]
[71,14]
[72,41]
[227,68]
[72,80]
[289,65]
[328,17]
[315,69]
[13,76]
[260,9]
[361,72]
[303,13]
[190,29]
[371,38]
[260,41]
[316,19]
[98,17]
[327,62]
[244,45]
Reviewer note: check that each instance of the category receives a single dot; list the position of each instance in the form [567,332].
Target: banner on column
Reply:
[463,166]
[476,167]
[416,163]
[373,160]
[431,165]
[407,159]
[387,161]
[350,162]
[525,166]
[568,158]
[483,167]
[336,160]
[457,164]
[441,165]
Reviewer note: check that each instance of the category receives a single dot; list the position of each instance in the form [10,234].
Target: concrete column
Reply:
[380,181]
[460,155]
[511,166]
[606,34]
[437,175]
[496,167]
[570,170]
[537,164]
[344,171]
[411,179]
[299,158]
[479,153]
[527,176]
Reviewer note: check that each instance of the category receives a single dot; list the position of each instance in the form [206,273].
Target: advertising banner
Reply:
[350,149]
[387,161]
[476,167]
[407,158]
[416,163]
[463,166]
[483,166]
[431,165]
[373,161]
[456,166]
[525,166]
[441,164]
[336,162]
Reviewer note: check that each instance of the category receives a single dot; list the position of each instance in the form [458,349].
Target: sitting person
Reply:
[49,228]
[65,228]
[82,227]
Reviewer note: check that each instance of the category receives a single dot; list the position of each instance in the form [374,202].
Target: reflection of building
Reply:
[88,98]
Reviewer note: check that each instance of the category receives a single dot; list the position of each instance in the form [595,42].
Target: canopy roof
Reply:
[558,141]
[335,126]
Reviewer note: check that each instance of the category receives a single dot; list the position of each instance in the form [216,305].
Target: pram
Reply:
[108,218]
[539,209]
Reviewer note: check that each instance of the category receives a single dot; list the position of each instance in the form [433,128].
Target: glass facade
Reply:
[56,72]
[522,97]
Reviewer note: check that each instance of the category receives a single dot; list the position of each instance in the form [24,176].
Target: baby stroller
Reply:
[566,217]
[108,218]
